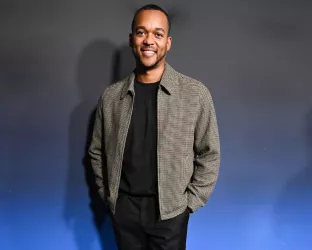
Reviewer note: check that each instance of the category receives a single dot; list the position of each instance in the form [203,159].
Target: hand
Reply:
[188,210]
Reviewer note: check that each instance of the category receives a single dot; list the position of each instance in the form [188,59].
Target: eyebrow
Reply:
[142,27]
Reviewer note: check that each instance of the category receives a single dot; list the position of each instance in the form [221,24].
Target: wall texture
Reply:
[56,57]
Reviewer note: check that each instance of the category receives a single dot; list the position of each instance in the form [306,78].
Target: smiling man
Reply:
[155,147]
[150,42]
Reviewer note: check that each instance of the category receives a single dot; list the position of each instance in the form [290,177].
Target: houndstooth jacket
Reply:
[188,149]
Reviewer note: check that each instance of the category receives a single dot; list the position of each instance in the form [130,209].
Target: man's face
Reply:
[150,40]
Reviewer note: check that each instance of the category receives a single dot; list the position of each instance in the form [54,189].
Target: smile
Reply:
[148,52]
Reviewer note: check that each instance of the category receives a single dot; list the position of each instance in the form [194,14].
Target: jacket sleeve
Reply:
[96,150]
[207,153]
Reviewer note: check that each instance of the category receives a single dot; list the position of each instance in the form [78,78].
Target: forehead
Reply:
[152,19]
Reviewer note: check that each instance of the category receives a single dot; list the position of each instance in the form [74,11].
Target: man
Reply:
[155,146]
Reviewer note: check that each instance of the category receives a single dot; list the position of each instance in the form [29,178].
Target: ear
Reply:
[169,41]
[130,40]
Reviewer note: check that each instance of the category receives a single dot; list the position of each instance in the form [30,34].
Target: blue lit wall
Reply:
[56,57]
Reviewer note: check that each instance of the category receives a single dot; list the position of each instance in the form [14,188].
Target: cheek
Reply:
[136,48]
[137,42]
[164,46]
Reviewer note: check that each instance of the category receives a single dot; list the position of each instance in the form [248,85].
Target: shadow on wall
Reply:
[100,64]
[293,211]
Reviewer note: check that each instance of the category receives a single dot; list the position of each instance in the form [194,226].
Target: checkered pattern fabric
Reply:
[188,148]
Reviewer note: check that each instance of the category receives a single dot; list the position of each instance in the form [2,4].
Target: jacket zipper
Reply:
[158,179]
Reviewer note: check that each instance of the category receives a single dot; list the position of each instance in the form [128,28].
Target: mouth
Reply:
[148,52]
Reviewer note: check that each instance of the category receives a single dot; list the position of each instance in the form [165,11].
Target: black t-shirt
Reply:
[139,168]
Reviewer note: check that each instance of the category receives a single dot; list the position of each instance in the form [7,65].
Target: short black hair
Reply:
[151,7]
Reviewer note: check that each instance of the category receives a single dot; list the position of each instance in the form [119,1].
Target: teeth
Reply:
[149,52]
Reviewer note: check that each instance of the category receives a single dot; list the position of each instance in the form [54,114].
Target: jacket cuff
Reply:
[193,203]
[102,193]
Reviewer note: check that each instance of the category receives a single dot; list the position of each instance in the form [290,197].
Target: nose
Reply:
[148,39]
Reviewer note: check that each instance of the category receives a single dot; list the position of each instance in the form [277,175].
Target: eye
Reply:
[139,33]
[159,35]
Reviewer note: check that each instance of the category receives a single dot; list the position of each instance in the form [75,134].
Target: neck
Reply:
[149,75]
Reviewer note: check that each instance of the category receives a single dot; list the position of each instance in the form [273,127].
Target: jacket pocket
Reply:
[187,168]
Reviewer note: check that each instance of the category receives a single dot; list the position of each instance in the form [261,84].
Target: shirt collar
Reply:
[168,81]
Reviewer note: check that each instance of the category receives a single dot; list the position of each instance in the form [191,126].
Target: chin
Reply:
[149,65]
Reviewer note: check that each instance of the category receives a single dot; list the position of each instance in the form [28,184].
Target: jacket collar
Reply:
[168,80]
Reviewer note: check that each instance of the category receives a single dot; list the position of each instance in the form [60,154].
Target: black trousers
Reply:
[137,225]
